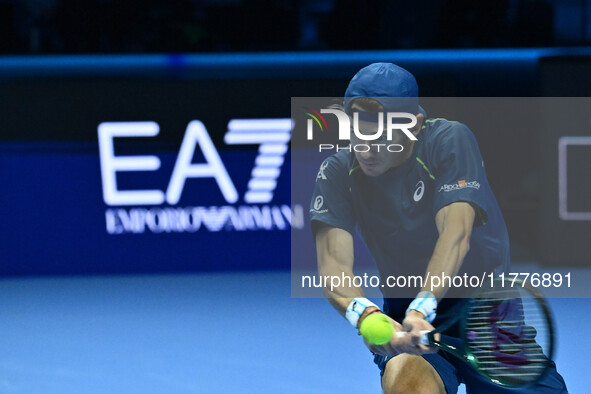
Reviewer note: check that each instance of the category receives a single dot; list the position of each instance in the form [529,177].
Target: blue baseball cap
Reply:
[394,87]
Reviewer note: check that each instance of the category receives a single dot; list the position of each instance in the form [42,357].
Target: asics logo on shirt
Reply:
[420,191]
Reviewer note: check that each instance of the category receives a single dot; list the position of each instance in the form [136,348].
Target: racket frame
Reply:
[467,356]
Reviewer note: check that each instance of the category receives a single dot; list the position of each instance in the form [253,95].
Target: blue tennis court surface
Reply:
[200,333]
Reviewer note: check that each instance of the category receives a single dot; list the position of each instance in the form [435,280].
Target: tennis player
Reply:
[425,210]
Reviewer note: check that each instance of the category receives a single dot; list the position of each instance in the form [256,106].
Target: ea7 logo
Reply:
[272,136]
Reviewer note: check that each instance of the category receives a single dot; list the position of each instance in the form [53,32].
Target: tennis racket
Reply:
[507,332]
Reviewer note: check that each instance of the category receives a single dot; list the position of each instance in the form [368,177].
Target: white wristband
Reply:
[356,308]
[426,303]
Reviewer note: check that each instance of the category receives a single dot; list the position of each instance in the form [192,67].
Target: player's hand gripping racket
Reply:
[507,333]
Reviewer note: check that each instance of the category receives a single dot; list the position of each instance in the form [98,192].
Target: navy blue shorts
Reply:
[453,372]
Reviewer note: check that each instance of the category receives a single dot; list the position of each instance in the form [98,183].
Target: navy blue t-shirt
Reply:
[395,212]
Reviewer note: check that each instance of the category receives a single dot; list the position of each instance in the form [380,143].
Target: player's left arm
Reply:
[454,224]
[458,169]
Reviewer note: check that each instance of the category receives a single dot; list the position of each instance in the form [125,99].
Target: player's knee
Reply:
[406,374]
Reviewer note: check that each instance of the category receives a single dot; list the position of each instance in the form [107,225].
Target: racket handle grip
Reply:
[424,337]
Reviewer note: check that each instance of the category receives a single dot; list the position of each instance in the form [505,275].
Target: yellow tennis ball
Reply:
[377,329]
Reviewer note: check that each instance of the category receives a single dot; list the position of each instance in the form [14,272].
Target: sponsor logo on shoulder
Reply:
[460,185]
[321,171]
[318,203]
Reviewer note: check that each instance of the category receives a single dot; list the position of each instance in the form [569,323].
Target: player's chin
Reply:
[372,170]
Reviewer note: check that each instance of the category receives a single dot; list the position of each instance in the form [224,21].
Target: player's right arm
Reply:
[334,248]
[332,216]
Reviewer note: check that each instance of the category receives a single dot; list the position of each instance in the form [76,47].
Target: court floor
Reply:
[200,333]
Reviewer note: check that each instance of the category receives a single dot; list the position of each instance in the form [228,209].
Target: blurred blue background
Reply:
[194,295]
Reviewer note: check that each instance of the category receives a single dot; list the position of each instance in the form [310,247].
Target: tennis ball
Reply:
[376,329]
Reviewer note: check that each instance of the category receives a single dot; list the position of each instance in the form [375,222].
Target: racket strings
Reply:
[507,334]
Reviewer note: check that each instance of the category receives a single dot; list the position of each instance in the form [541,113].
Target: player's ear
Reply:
[420,121]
